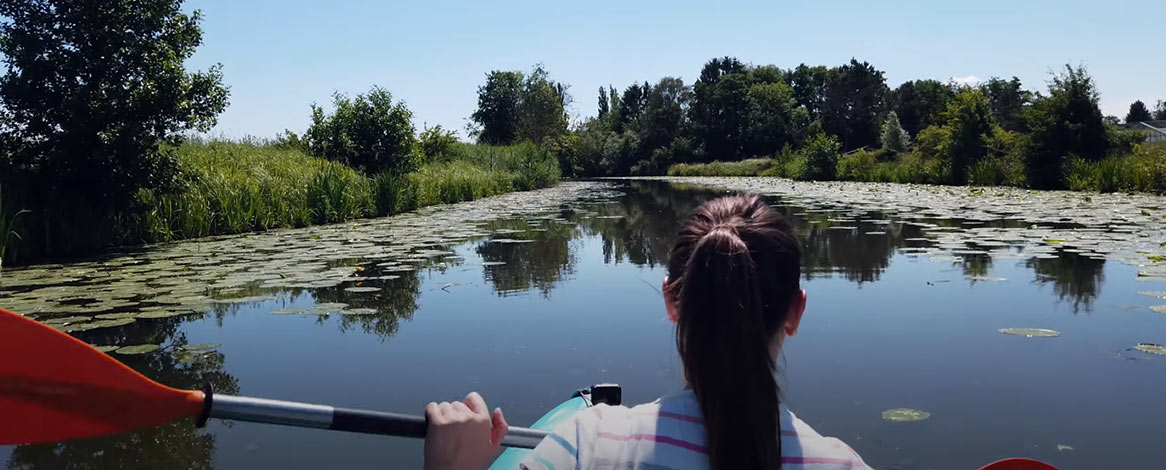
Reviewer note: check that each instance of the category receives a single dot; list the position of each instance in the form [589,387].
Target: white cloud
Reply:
[968,80]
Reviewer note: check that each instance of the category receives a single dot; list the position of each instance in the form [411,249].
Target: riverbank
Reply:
[1142,169]
[237,187]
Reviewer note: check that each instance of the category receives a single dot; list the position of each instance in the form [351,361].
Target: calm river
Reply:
[529,296]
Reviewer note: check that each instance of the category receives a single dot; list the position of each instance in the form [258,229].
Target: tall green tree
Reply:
[893,136]
[1138,112]
[1068,122]
[968,122]
[720,107]
[809,85]
[1008,98]
[498,108]
[920,103]
[90,94]
[774,119]
[631,105]
[542,107]
[91,90]
[855,100]
[1160,111]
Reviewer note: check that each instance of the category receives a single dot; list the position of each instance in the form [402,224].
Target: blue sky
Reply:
[280,56]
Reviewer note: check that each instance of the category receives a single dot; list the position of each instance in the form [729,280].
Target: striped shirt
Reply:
[669,434]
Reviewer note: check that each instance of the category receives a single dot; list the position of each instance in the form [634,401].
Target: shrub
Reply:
[859,166]
[438,144]
[368,132]
[752,167]
[821,158]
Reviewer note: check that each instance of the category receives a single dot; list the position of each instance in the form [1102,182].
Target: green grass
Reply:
[8,221]
[235,187]
[1144,169]
[752,167]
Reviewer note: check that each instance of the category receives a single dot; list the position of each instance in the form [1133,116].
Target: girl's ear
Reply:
[794,318]
[669,301]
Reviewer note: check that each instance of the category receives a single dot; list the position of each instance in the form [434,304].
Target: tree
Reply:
[1007,99]
[665,114]
[437,143]
[498,108]
[604,103]
[919,103]
[774,119]
[720,107]
[894,137]
[1066,123]
[809,85]
[1160,111]
[631,104]
[855,98]
[1138,112]
[369,133]
[968,122]
[90,91]
[542,107]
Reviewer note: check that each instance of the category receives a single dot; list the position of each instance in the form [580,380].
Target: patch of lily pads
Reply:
[137,349]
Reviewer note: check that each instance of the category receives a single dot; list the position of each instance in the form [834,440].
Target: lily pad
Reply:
[1159,308]
[117,316]
[201,347]
[289,311]
[362,289]
[165,313]
[1151,348]
[1031,332]
[903,415]
[1063,448]
[104,349]
[359,311]
[1153,293]
[510,240]
[137,349]
[243,300]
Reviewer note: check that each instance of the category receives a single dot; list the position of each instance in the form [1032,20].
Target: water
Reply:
[898,317]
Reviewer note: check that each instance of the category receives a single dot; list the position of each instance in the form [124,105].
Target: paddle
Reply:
[54,387]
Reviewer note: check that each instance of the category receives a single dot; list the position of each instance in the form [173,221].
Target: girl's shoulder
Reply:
[804,448]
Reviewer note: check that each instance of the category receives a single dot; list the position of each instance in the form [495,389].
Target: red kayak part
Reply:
[1018,464]
[54,387]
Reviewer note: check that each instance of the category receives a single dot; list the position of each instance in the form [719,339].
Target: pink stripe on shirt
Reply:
[655,438]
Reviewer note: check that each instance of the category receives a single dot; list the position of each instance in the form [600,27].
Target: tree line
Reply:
[736,111]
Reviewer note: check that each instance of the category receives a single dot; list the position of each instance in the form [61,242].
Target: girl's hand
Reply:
[462,435]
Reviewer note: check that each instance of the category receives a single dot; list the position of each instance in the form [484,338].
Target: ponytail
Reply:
[730,275]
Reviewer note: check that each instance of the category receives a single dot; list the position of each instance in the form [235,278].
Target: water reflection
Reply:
[640,226]
[1075,278]
[524,255]
[177,445]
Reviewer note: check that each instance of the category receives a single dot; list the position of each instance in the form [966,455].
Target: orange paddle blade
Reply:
[54,387]
[1018,464]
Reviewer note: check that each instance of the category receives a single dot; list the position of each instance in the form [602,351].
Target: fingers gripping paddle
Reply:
[54,387]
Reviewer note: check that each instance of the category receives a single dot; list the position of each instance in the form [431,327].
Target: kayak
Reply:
[610,394]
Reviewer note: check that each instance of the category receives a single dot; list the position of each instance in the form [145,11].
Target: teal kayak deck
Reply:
[560,414]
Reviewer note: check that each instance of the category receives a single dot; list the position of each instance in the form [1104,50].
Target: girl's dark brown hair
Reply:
[733,274]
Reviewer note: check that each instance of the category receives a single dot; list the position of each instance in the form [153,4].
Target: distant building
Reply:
[1155,130]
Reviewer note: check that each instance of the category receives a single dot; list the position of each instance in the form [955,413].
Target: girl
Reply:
[732,290]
